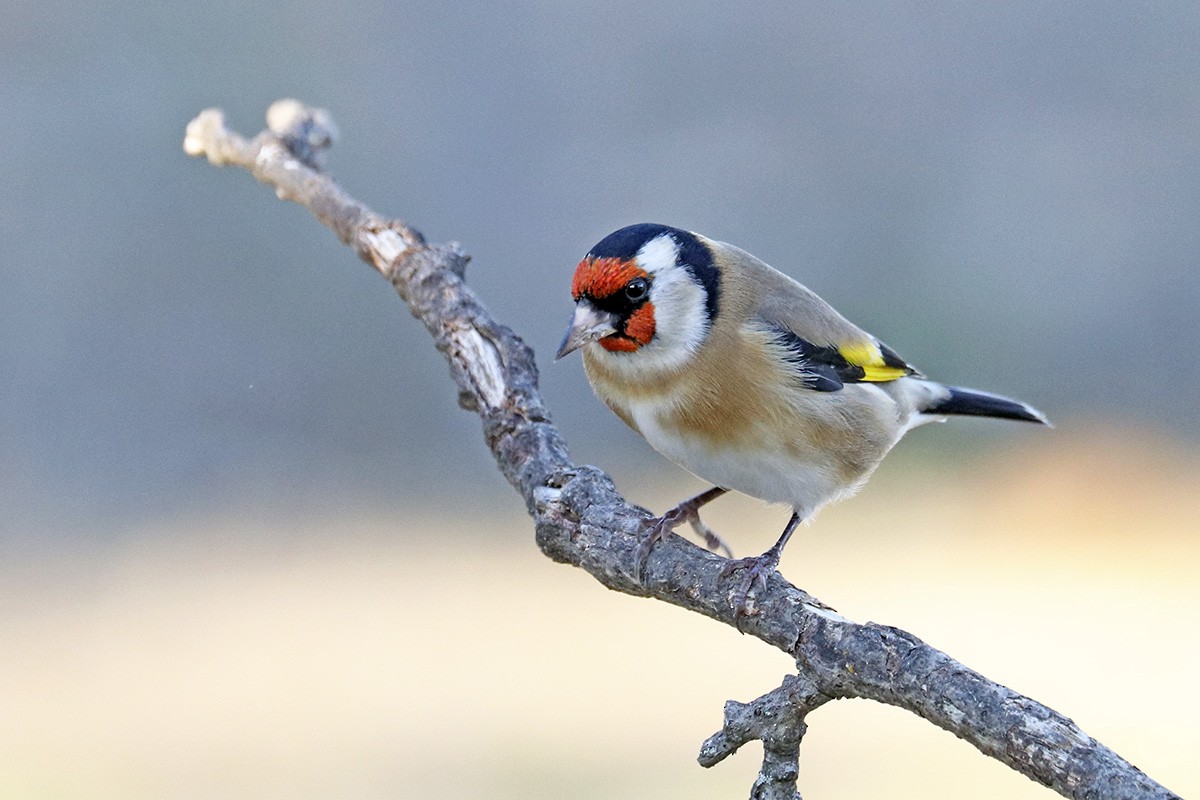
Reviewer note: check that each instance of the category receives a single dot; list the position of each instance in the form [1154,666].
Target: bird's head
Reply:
[644,289]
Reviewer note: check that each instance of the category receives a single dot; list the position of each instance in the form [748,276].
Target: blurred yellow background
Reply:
[432,651]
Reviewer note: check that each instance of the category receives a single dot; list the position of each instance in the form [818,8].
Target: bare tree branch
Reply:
[777,720]
[580,518]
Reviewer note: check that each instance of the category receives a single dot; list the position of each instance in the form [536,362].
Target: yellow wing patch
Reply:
[870,358]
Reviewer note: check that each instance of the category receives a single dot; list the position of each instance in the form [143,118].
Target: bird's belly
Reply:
[756,466]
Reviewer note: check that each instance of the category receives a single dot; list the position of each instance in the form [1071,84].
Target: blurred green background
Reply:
[251,547]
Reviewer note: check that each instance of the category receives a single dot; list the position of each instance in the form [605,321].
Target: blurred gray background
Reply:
[1006,193]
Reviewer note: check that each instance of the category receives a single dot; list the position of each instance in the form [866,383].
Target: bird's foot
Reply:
[689,512]
[758,569]
[659,528]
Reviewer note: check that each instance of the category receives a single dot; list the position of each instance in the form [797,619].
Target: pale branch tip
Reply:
[580,518]
[306,132]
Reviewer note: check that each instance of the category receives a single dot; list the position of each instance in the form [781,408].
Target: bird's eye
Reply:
[637,289]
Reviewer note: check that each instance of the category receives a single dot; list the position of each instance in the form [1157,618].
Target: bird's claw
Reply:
[758,569]
[659,528]
[711,539]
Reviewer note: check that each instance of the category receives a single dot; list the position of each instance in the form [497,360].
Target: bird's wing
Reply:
[827,349]
[826,368]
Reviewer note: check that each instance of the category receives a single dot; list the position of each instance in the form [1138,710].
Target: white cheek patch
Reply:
[680,315]
[658,255]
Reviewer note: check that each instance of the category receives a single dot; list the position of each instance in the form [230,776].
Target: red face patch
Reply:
[602,277]
[639,330]
[640,327]
[618,344]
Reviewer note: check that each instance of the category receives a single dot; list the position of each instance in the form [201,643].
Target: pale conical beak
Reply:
[588,325]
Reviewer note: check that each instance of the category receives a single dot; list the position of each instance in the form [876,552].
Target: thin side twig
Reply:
[580,519]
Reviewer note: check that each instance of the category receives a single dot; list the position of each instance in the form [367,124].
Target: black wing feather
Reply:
[820,368]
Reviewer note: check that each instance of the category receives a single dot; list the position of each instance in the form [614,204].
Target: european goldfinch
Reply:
[744,377]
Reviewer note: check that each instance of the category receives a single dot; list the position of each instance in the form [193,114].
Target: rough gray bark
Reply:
[580,519]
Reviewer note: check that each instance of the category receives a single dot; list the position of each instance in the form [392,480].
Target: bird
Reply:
[744,377]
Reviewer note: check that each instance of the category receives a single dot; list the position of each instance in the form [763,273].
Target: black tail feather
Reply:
[968,402]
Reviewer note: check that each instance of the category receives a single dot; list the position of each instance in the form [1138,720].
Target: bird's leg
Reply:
[687,511]
[758,569]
